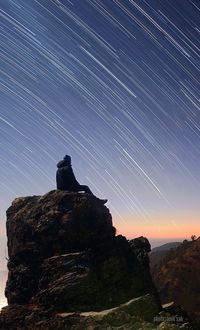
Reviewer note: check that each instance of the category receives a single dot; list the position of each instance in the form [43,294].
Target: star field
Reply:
[114,84]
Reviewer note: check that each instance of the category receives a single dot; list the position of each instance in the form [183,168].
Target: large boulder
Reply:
[39,228]
[65,257]
[63,252]
[58,222]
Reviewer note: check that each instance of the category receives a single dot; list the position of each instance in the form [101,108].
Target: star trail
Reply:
[114,84]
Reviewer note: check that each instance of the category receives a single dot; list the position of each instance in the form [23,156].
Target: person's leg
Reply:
[84,188]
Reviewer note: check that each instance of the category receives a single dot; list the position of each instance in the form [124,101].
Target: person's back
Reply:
[65,177]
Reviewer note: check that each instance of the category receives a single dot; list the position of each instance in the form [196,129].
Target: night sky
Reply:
[114,84]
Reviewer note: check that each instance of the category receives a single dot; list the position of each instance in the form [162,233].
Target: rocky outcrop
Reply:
[69,270]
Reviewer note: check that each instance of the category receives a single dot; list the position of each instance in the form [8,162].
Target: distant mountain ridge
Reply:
[166,246]
[177,278]
[158,253]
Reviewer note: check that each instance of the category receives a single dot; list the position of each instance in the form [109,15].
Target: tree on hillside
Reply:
[193,238]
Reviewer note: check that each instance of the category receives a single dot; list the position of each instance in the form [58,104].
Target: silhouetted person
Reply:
[65,177]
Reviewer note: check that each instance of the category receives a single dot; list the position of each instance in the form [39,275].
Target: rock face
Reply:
[65,261]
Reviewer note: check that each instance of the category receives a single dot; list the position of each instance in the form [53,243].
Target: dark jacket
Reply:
[65,178]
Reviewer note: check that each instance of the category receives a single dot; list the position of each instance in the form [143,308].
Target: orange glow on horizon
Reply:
[159,227]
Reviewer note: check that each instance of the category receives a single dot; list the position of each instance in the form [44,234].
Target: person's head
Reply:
[67,159]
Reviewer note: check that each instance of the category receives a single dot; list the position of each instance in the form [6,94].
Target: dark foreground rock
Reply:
[69,270]
[138,313]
